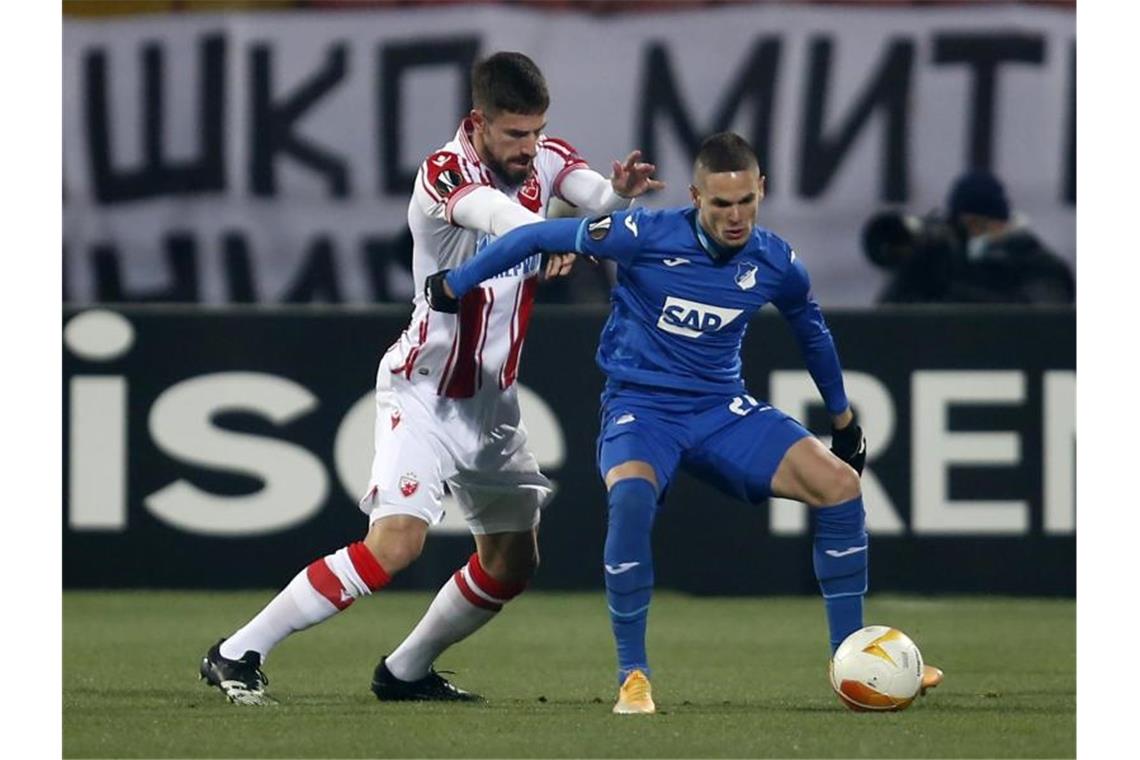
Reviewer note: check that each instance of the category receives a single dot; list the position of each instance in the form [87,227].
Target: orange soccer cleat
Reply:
[635,696]
[931,677]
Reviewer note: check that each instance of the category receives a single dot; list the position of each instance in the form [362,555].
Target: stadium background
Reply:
[235,180]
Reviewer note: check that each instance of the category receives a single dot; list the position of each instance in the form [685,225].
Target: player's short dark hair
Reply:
[508,82]
[725,152]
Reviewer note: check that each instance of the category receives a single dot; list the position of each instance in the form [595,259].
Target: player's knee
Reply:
[515,567]
[396,541]
[632,501]
[839,484]
[508,557]
[395,554]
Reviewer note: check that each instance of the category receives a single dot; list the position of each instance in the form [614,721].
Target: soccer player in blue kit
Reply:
[688,281]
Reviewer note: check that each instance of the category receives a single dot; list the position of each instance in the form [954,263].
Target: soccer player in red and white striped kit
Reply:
[446,399]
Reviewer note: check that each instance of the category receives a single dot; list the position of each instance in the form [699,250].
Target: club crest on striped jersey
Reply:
[692,319]
[530,194]
[530,189]
[409,484]
[746,275]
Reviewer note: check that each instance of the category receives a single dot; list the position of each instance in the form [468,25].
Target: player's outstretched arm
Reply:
[587,189]
[613,236]
[513,248]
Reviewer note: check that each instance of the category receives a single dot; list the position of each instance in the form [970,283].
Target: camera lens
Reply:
[888,239]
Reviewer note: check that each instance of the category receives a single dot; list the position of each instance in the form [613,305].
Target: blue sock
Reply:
[629,569]
[839,557]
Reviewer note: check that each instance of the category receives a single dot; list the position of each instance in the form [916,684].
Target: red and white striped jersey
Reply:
[477,350]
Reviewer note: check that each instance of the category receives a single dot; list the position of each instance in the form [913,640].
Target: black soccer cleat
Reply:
[241,681]
[431,688]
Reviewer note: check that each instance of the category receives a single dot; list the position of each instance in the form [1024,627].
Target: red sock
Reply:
[346,575]
[479,588]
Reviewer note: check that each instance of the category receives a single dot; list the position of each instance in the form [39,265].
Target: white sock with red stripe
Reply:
[318,592]
[466,603]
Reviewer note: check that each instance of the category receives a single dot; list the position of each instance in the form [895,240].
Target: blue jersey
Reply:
[682,303]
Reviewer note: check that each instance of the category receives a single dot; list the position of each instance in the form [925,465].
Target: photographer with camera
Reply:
[975,254]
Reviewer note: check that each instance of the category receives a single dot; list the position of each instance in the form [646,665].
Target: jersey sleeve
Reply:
[591,237]
[554,235]
[618,236]
[444,178]
[488,210]
[560,158]
[796,303]
[589,190]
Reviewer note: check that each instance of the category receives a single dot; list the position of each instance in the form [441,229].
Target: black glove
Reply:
[849,445]
[436,296]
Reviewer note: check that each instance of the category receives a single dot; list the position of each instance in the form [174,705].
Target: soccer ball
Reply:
[877,668]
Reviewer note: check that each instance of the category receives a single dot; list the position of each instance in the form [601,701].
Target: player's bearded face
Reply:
[727,203]
[508,142]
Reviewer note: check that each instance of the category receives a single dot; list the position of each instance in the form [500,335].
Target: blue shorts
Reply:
[733,442]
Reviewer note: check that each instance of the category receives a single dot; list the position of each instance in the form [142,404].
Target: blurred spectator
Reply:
[977,253]
[1006,262]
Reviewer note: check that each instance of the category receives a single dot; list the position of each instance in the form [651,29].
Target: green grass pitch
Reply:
[733,677]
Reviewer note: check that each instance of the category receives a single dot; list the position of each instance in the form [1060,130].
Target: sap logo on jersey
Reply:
[691,319]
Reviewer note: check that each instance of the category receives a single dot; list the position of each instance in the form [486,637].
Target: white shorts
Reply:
[477,446]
